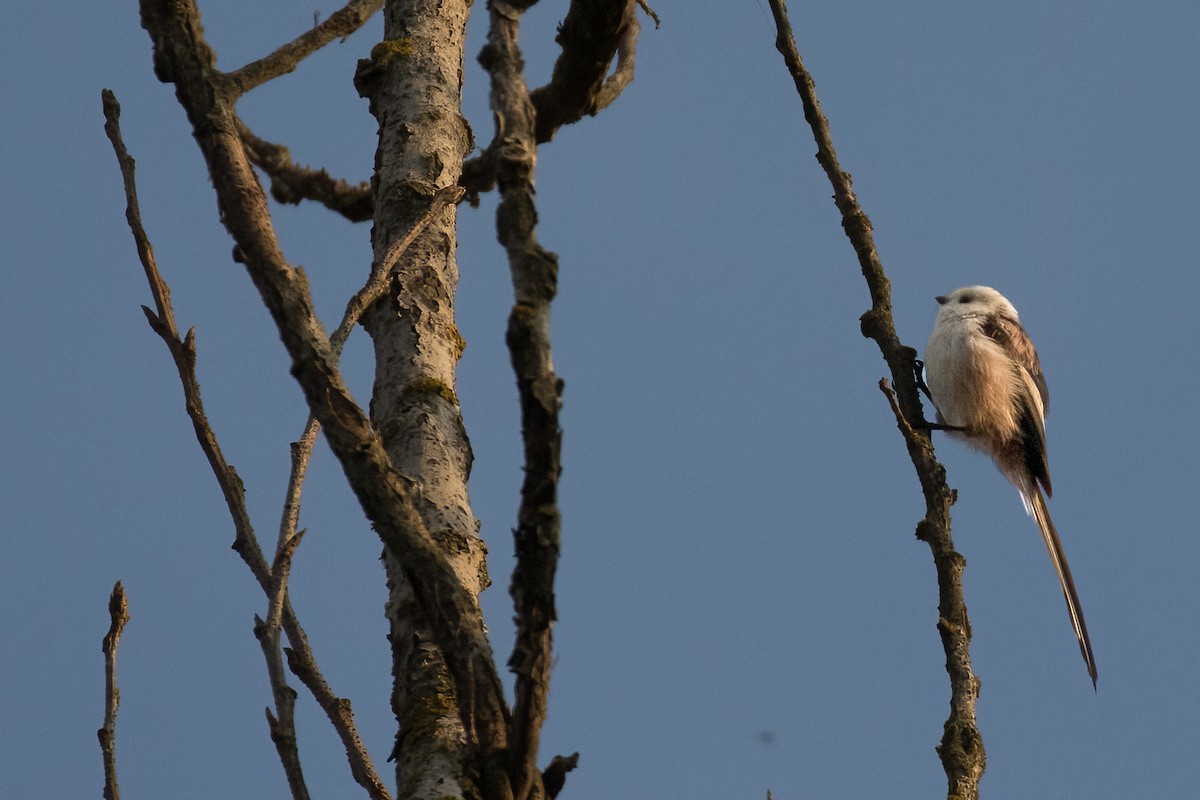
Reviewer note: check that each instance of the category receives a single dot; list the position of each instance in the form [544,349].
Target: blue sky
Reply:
[742,602]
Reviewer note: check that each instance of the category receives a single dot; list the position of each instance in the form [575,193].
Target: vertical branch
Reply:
[535,277]
[118,612]
[961,750]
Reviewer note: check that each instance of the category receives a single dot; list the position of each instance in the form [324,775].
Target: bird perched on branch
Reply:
[987,384]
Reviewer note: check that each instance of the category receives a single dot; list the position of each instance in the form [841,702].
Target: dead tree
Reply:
[408,458]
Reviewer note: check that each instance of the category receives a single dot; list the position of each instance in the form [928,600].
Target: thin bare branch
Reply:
[650,13]
[961,750]
[292,184]
[282,724]
[363,299]
[183,57]
[535,278]
[281,570]
[183,352]
[118,612]
[377,284]
[133,214]
[341,23]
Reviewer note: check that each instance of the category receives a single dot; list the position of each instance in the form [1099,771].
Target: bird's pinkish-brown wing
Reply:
[1035,397]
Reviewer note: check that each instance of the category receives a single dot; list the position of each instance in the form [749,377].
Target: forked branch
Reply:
[961,750]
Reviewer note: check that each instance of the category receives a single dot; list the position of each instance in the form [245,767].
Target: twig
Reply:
[183,353]
[292,184]
[961,750]
[118,612]
[650,13]
[905,427]
[340,24]
[282,724]
[535,278]
[377,284]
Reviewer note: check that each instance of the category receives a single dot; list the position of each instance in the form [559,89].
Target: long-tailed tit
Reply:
[987,384]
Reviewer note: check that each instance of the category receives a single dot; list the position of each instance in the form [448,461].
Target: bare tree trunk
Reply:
[414,81]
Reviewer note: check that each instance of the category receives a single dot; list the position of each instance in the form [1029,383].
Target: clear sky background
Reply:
[743,604]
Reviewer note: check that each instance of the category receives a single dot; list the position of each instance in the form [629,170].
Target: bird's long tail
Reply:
[1037,508]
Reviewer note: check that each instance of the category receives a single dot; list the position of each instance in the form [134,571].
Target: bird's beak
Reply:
[941,298]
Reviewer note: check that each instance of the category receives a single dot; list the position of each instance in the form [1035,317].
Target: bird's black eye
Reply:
[966,298]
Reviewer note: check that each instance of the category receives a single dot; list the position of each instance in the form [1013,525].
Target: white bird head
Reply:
[974,301]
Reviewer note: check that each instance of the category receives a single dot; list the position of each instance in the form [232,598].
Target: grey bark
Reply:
[413,81]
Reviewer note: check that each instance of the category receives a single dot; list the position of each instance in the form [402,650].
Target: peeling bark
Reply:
[413,81]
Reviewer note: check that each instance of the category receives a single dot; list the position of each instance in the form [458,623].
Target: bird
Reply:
[986,382]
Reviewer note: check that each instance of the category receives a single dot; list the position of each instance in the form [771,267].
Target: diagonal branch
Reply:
[183,57]
[282,723]
[341,23]
[118,612]
[363,299]
[291,183]
[183,353]
[961,750]
[535,279]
